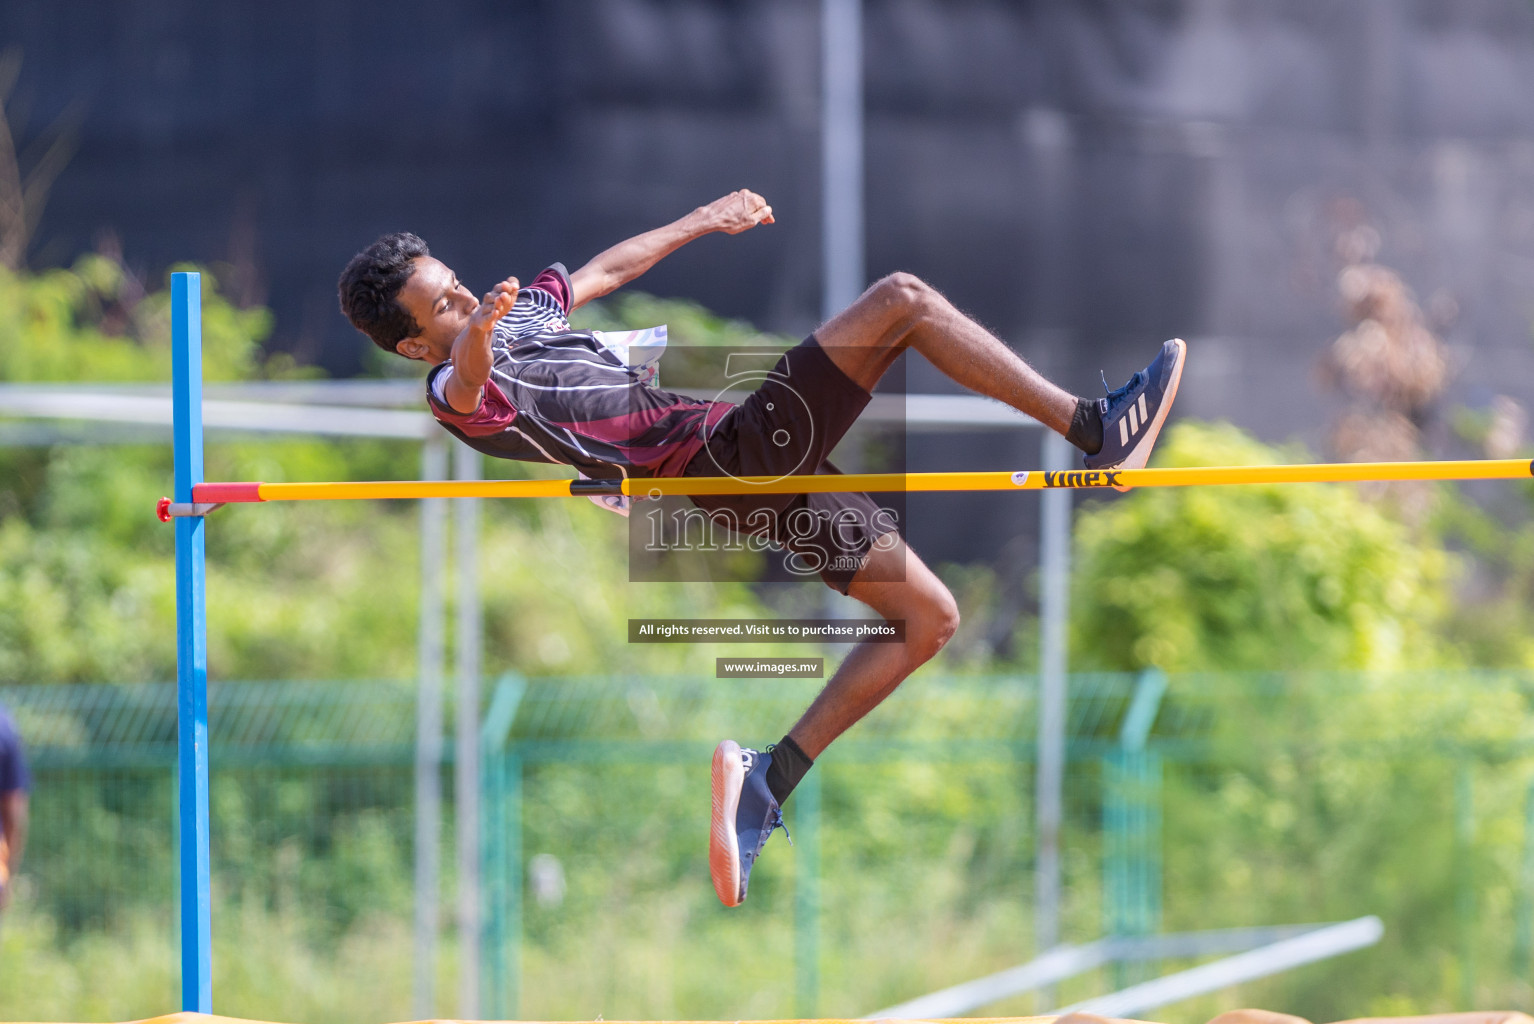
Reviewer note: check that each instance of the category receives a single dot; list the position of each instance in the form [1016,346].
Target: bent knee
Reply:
[903,290]
[932,624]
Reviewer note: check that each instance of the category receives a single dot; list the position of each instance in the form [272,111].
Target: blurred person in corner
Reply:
[14,786]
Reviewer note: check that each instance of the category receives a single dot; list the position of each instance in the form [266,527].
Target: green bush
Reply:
[1255,578]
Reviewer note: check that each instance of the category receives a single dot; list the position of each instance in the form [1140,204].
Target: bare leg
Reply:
[1088,1018]
[901,311]
[1254,1017]
[897,585]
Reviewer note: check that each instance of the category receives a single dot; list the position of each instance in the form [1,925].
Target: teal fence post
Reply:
[1132,824]
[511,956]
[1115,843]
[807,896]
[493,871]
[501,849]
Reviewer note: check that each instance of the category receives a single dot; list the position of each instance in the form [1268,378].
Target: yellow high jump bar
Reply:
[207,496]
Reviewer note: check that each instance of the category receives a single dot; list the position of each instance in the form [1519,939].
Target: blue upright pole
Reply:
[191,648]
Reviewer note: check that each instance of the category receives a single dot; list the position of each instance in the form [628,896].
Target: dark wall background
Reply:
[1086,177]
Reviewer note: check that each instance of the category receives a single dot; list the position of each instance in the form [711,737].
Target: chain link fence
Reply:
[1212,801]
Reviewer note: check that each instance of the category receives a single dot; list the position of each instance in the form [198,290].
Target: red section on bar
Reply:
[226,492]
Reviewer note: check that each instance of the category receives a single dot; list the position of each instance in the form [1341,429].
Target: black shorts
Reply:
[789,425]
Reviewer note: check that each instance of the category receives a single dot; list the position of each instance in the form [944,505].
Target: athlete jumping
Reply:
[509,377]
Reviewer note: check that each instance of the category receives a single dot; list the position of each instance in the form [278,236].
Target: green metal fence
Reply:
[913,839]
[311,795]
[984,721]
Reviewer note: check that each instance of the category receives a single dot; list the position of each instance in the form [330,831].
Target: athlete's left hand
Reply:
[737,212]
[496,304]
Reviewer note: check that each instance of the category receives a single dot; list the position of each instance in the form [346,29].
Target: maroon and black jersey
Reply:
[558,395]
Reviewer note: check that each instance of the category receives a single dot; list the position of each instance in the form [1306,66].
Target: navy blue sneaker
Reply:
[745,813]
[1133,414]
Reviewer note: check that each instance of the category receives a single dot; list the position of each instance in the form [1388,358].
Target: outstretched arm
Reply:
[613,268]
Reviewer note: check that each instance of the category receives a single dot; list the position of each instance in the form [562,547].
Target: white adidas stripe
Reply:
[1137,417]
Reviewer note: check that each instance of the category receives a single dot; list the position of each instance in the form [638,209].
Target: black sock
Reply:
[789,763]
[1086,431]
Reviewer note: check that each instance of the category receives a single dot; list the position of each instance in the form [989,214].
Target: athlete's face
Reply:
[440,305]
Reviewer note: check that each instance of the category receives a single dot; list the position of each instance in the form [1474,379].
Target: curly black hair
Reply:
[370,285]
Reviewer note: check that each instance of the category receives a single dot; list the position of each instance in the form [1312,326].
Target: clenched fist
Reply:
[736,212]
